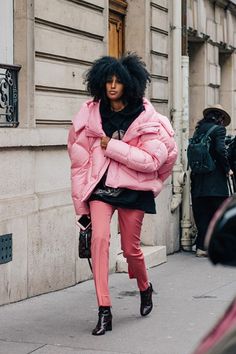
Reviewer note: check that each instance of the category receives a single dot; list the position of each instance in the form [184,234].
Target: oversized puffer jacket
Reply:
[142,160]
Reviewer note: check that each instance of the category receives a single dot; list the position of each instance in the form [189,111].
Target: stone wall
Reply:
[68,37]
[212,43]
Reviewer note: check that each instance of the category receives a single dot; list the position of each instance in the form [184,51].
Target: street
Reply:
[190,294]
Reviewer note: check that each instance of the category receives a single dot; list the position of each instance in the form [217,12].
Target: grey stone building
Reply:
[49,45]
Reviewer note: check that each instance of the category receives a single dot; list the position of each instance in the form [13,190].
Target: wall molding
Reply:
[159,30]
[159,7]
[60,58]
[54,122]
[118,6]
[87,4]
[33,137]
[159,54]
[159,100]
[67,91]
[68,29]
[159,77]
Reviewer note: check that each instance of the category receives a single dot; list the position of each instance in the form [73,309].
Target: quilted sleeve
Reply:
[148,157]
[77,155]
[166,170]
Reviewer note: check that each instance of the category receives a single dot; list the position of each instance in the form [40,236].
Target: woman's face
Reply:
[114,88]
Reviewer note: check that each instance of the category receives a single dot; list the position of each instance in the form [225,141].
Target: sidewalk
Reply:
[191,294]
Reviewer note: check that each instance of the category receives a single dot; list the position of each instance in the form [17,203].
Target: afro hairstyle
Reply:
[131,71]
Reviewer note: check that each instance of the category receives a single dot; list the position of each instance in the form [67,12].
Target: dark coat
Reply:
[215,182]
[232,155]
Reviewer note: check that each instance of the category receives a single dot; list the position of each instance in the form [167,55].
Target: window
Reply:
[8,72]
[6,32]
[8,95]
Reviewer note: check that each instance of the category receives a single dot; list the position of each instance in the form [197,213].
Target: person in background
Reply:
[209,190]
[121,152]
[221,244]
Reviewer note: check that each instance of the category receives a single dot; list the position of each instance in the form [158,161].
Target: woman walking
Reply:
[121,151]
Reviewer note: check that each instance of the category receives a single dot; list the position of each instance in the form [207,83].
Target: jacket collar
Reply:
[147,122]
[90,119]
[93,127]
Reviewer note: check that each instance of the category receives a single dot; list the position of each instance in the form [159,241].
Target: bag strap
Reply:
[90,265]
[232,184]
[208,132]
[229,186]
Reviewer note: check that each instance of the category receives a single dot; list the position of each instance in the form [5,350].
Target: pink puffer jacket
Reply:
[142,160]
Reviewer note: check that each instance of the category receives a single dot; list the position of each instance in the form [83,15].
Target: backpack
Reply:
[199,158]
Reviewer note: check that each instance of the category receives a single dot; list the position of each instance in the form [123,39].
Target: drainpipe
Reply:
[178,174]
[186,224]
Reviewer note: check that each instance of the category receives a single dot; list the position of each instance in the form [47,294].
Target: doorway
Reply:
[117,12]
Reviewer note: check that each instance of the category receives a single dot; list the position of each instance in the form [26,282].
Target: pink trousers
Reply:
[130,222]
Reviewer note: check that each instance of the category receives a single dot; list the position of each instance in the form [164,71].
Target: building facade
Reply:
[208,52]
[49,45]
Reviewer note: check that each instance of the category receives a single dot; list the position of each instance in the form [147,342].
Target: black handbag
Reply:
[85,244]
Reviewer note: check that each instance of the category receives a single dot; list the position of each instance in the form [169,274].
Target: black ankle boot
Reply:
[146,301]
[104,321]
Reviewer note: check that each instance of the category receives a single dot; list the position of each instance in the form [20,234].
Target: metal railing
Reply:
[9,95]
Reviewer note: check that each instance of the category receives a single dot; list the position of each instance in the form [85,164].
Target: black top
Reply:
[213,184]
[115,125]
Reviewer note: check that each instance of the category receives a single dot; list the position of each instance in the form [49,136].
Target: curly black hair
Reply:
[131,71]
